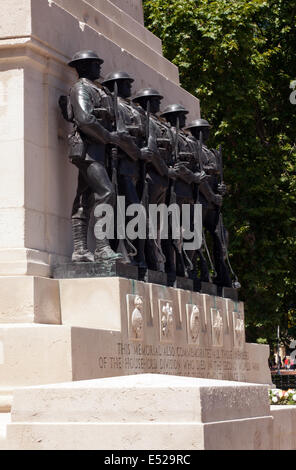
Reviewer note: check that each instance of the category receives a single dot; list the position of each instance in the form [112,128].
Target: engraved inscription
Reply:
[166,317]
[191,361]
[217,327]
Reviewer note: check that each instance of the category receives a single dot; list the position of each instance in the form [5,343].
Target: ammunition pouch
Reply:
[165,155]
[77,146]
[104,117]
[187,159]
[164,143]
[134,131]
[66,108]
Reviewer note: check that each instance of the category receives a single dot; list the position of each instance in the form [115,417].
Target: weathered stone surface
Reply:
[27,299]
[34,354]
[284,434]
[97,303]
[126,327]
[140,412]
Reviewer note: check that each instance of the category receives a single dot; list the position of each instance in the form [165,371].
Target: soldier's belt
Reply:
[134,131]
[103,114]
[186,156]
[164,143]
[165,155]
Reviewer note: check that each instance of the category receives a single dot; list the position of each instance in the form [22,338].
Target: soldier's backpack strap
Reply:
[66,108]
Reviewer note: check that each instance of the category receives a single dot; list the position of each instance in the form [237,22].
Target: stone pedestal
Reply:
[77,329]
[142,412]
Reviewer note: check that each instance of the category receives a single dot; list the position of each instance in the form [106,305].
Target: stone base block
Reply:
[184,283]
[142,412]
[34,354]
[27,299]
[284,427]
[208,288]
[98,303]
[153,277]
[115,326]
[229,293]
[91,270]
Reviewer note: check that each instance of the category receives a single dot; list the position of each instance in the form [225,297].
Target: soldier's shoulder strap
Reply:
[163,121]
[66,108]
[95,86]
[137,107]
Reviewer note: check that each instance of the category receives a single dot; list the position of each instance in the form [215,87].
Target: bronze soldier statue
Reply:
[211,194]
[90,108]
[156,178]
[130,119]
[186,177]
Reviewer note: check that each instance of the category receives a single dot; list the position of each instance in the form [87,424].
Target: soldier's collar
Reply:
[125,100]
[96,85]
[153,116]
[163,121]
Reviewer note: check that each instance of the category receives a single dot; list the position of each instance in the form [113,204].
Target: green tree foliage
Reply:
[238,57]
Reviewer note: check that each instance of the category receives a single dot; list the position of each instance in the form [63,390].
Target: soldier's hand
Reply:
[146,154]
[218,200]
[124,135]
[172,174]
[222,189]
[119,138]
[114,138]
[201,177]
[181,169]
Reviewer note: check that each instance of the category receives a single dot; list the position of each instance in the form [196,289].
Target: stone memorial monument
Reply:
[75,309]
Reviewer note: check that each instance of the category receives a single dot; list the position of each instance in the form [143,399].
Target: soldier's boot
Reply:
[81,254]
[204,269]
[209,194]
[104,252]
[223,278]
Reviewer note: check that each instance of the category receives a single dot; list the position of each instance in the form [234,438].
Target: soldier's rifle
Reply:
[120,127]
[177,243]
[152,145]
[201,166]
[235,283]
[144,199]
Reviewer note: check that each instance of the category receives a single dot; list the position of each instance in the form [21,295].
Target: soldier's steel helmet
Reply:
[114,76]
[84,55]
[198,123]
[147,93]
[174,108]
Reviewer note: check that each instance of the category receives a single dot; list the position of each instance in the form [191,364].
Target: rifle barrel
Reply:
[200,142]
[221,164]
[148,122]
[177,140]
[116,104]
